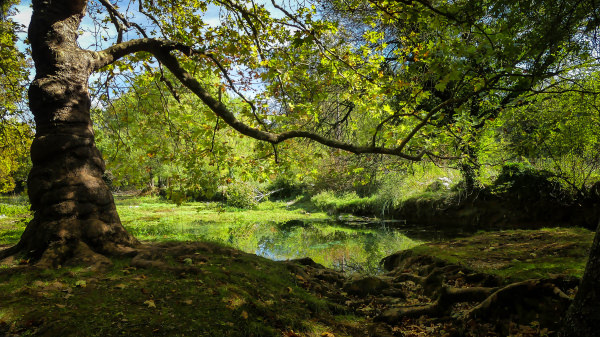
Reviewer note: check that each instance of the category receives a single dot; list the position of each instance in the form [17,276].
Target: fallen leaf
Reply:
[327,334]
[121,286]
[60,306]
[188,302]
[244,314]
[81,284]
[150,303]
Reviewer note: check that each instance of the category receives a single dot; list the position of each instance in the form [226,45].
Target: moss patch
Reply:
[204,290]
[518,254]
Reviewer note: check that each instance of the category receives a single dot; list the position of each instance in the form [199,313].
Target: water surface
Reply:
[350,246]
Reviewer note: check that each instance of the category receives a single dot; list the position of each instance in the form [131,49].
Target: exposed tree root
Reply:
[530,296]
[49,244]
[444,298]
[515,292]
[462,298]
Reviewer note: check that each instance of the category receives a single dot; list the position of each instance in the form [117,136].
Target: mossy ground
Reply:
[227,293]
[518,254]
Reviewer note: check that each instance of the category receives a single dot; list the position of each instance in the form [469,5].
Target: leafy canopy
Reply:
[411,79]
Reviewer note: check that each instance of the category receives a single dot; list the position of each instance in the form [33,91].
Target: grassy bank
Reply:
[518,254]
[154,219]
[223,292]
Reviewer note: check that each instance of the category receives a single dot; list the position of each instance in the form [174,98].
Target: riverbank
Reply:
[477,210]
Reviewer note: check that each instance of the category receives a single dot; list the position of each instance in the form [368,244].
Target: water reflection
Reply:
[349,246]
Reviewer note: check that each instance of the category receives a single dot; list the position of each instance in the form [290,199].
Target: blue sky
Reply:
[89,38]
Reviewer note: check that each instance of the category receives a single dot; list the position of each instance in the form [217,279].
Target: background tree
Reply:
[15,133]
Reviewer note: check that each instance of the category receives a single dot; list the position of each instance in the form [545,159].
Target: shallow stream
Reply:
[349,246]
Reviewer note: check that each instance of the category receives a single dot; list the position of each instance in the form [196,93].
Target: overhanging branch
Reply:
[161,49]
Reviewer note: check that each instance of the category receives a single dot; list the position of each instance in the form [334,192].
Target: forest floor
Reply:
[182,288]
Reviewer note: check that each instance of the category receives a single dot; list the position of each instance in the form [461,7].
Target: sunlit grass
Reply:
[154,219]
[518,254]
[14,216]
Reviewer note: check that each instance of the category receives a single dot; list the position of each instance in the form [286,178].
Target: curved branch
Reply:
[161,49]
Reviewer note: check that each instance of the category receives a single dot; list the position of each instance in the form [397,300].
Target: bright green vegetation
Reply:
[151,218]
[276,230]
[15,132]
[232,294]
[423,182]
[518,254]
[14,216]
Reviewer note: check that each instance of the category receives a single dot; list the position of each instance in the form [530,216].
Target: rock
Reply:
[369,285]
[395,260]
[307,261]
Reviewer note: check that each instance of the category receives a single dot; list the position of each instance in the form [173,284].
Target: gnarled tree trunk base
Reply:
[53,244]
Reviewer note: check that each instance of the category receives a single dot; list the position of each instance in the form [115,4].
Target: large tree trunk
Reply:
[74,210]
[583,317]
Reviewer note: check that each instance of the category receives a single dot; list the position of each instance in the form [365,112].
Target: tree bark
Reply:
[583,317]
[74,211]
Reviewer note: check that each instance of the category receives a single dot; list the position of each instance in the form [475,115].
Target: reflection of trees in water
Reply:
[342,248]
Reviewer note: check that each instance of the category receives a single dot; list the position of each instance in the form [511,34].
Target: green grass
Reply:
[14,216]
[154,219]
[232,294]
[518,254]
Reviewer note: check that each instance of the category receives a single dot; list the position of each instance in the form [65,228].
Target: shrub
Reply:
[286,188]
[345,203]
[524,182]
[240,194]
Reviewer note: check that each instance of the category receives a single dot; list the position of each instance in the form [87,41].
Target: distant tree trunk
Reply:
[583,317]
[74,209]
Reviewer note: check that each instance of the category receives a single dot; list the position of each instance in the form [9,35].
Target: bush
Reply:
[345,203]
[240,194]
[286,188]
[524,182]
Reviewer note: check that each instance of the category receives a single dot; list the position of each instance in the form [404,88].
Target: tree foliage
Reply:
[412,79]
[15,133]
[408,79]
